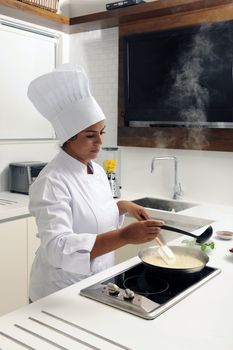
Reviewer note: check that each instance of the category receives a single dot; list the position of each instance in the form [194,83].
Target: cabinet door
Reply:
[13,265]
[25,55]
[33,243]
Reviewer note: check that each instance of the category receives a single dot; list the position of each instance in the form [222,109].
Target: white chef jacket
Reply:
[71,207]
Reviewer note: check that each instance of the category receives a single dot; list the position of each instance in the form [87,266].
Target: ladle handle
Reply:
[174,229]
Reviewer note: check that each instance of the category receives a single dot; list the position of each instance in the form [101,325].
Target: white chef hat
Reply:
[64,98]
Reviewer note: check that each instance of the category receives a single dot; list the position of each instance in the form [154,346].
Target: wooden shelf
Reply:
[105,19]
[35,15]
[108,19]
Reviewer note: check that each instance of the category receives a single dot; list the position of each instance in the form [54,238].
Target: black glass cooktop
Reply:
[159,288]
[144,291]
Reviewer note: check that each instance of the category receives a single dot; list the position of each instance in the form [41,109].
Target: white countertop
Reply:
[200,321]
[13,205]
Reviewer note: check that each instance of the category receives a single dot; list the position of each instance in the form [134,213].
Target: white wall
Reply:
[205,176]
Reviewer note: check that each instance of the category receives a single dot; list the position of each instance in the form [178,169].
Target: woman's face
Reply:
[86,145]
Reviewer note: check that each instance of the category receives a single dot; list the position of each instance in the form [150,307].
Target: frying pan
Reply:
[177,250]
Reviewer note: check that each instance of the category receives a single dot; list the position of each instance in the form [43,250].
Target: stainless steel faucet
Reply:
[177,186]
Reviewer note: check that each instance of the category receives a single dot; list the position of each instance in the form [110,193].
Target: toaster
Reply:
[23,174]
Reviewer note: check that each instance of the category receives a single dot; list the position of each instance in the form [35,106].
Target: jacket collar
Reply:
[76,164]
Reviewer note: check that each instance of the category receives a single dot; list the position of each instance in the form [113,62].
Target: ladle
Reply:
[199,239]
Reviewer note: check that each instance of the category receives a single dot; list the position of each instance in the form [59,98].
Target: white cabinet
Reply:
[26,53]
[13,265]
[33,242]
[18,244]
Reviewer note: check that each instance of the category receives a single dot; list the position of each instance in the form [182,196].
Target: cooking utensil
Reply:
[177,250]
[165,252]
[199,239]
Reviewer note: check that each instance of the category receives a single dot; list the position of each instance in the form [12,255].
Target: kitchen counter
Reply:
[13,205]
[200,321]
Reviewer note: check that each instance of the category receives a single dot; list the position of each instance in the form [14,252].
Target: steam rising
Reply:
[187,92]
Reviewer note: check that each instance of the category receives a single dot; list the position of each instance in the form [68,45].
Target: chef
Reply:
[79,223]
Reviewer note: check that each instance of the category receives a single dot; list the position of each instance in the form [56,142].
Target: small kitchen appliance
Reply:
[23,174]
[145,293]
[123,3]
[111,164]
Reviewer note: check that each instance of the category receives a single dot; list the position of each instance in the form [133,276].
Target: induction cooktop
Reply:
[146,293]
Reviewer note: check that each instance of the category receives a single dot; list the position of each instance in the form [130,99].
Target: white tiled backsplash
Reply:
[97,52]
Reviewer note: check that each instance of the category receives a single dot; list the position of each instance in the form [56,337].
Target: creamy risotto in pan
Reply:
[182,261]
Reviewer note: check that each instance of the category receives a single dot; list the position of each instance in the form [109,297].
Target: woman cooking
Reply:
[78,220]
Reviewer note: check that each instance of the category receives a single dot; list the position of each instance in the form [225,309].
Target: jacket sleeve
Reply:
[50,203]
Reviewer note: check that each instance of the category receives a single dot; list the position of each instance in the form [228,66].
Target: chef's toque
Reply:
[64,98]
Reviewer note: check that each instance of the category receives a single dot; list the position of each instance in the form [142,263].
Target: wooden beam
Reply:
[177,138]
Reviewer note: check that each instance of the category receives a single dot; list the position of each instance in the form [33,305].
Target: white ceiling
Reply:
[73,8]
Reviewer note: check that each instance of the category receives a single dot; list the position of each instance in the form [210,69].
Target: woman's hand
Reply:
[137,211]
[140,232]
[136,233]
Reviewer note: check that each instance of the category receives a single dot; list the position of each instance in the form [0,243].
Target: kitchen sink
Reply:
[168,211]
[164,204]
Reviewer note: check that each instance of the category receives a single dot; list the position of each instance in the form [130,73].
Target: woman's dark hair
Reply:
[65,143]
